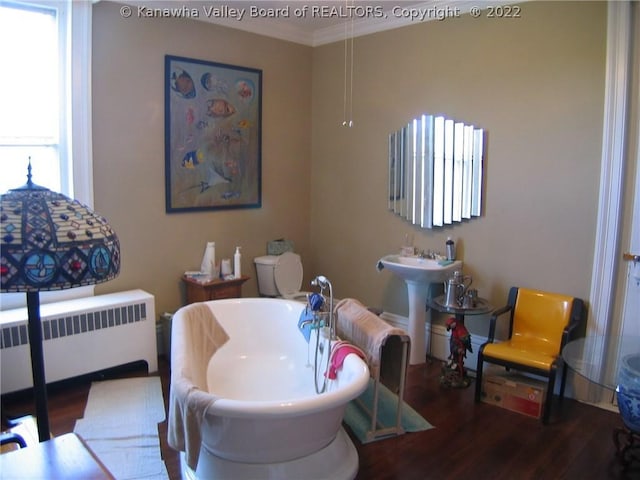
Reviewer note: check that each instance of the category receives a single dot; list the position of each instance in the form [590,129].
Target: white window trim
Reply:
[606,254]
[80,141]
[81,130]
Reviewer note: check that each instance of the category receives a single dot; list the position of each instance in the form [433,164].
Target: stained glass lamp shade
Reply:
[50,242]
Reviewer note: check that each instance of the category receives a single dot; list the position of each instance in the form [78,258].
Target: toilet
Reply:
[280,276]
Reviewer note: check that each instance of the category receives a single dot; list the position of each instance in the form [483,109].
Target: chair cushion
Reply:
[528,352]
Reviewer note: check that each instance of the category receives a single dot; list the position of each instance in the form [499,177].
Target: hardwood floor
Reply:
[476,441]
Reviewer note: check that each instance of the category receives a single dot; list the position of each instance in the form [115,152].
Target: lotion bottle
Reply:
[208,264]
[237,273]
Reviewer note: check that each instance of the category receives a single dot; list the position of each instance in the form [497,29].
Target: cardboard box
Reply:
[515,392]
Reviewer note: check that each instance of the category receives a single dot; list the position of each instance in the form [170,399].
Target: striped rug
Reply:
[120,425]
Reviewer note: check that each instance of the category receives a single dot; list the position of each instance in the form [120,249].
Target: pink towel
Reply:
[339,352]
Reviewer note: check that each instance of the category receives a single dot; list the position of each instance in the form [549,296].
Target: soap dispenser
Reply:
[237,273]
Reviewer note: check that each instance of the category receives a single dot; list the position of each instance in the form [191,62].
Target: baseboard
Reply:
[438,341]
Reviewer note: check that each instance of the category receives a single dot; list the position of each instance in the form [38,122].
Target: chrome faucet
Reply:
[304,323]
[323,282]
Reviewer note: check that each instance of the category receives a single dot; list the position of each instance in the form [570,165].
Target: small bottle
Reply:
[208,264]
[451,249]
[236,263]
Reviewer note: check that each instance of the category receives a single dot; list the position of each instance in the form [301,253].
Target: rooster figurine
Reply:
[459,343]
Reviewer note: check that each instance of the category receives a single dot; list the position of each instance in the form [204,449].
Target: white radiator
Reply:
[80,336]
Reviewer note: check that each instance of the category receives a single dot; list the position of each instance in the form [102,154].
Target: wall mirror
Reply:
[435,171]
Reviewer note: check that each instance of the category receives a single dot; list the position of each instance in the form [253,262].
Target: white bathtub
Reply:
[267,421]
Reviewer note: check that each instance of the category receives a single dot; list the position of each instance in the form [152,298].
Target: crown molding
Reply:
[300,32]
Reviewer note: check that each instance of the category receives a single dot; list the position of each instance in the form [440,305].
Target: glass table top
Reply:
[482,306]
[597,358]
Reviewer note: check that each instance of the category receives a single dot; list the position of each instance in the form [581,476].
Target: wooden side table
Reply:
[67,456]
[199,291]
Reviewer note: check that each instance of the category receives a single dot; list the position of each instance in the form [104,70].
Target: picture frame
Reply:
[213,135]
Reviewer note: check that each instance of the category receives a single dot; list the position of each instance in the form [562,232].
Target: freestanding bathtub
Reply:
[260,417]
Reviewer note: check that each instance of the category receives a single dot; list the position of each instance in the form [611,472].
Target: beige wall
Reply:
[535,84]
[128,146]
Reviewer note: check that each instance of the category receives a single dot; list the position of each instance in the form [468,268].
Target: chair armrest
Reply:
[577,324]
[10,437]
[494,318]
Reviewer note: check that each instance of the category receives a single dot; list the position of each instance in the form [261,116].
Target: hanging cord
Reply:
[344,104]
[351,79]
[347,121]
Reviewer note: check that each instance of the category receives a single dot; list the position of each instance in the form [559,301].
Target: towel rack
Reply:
[387,364]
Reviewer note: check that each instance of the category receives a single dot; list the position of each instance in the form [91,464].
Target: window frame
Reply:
[74,18]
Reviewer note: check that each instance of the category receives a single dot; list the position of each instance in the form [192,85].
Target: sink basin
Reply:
[419,273]
[421,270]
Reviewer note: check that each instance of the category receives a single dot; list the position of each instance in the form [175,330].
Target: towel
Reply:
[366,330]
[195,336]
[339,352]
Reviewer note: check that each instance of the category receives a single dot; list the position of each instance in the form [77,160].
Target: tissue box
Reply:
[515,392]
[278,247]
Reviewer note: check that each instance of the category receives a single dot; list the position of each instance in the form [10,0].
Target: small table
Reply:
[66,456]
[597,358]
[453,372]
[203,291]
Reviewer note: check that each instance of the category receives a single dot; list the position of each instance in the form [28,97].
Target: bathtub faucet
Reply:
[323,282]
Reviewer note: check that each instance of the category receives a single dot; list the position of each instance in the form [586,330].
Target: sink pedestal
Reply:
[419,274]
[418,293]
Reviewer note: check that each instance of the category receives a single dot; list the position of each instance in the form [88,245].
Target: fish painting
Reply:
[214,84]
[190,116]
[191,159]
[219,108]
[182,83]
[245,89]
[230,195]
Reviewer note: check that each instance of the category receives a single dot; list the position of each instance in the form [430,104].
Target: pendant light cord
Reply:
[347,121]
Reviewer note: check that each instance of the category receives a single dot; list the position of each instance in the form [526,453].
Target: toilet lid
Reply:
[288,273]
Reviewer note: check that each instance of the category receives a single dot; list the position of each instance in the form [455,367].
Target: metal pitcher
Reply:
[455,288]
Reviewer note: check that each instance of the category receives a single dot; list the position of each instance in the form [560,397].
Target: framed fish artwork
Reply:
[213,135]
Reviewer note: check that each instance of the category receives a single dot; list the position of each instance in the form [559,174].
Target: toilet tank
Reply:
[266,281]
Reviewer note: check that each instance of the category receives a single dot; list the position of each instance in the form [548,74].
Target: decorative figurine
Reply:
[453,371]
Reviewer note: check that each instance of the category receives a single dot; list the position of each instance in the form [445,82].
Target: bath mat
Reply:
[359,421]
[120,424]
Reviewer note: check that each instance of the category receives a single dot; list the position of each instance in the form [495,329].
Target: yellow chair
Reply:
[541,323]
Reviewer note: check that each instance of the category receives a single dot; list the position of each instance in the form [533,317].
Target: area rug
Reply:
[120,425]
[359,420]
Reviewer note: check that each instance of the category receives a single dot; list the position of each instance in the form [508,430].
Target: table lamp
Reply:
[50,242]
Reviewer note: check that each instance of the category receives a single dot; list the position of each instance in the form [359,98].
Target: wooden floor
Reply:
[470,441]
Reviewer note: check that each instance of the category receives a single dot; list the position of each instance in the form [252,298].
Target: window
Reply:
[43,105]
[45,95]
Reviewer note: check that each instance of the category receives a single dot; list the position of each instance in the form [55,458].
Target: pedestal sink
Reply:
[419,273]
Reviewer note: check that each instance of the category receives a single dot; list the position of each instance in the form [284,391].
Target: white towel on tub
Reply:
[365,329]
[195,336]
